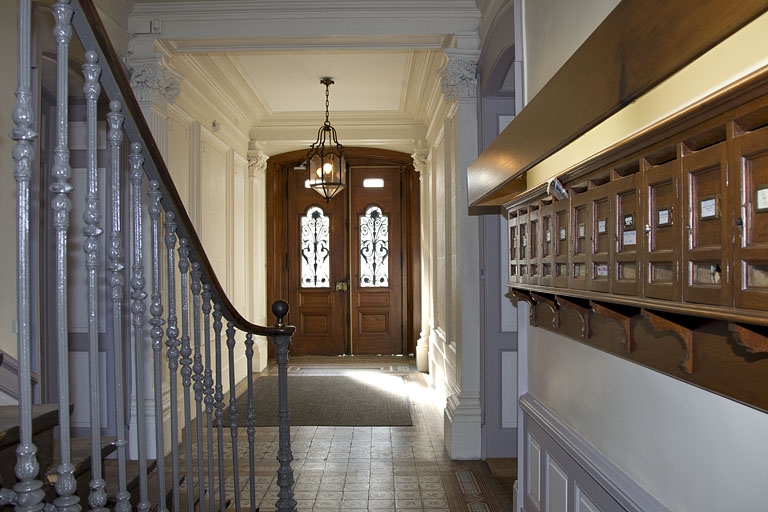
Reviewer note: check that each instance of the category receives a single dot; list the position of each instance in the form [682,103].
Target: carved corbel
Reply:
[748,337]
[581,307]
[621,314]
[684,332]
[552,305]
[526,297]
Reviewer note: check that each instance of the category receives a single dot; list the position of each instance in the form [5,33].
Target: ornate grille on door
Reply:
[374,248]
[315,249]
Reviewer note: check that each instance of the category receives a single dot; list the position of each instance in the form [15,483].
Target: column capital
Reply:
[257,159]
[421,158]
[153,81]
[459,78]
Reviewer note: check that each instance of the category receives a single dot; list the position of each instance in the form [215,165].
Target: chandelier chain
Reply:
[327,102]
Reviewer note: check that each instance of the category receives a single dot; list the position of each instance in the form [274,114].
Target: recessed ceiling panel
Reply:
[369,81]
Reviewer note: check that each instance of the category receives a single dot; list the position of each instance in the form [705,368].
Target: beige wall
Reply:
[8,58]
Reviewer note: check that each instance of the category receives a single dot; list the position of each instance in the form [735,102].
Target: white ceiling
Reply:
[268,58]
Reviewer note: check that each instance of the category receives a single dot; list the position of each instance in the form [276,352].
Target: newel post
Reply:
[284,456]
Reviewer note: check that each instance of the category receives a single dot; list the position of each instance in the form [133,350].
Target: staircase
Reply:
[133,265]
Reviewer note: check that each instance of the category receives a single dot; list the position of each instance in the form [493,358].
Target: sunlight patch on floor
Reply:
[396,384]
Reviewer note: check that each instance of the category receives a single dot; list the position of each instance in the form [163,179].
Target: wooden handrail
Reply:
[115,83]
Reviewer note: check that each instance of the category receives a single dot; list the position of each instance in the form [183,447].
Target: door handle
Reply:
[342,286]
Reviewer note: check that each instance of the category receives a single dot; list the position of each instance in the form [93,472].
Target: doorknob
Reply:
[342,286]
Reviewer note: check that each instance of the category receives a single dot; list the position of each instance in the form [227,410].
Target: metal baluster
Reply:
[97,498]
[251,422]
[233,411]
[284,456]
[172,331]
[218,398]
[186,367]
[156,335]
[29,493]
[208,390]
[138,295]
[66,486]
[116,267]
[198,377]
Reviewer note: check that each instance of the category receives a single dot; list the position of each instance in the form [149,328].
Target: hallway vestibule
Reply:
[372,468]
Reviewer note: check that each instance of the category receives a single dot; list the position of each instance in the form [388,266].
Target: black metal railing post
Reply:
[284,456]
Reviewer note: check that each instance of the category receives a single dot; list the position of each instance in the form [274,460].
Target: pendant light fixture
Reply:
[326,161]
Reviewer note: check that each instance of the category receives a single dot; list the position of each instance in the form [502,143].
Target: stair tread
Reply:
[44,416]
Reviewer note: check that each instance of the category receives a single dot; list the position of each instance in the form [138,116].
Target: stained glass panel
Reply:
[315,249]
[374,248]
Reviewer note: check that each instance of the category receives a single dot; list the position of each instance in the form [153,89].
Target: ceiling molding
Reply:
[287,44]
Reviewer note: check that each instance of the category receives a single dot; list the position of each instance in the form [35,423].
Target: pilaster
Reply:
[463,411]
[421,163]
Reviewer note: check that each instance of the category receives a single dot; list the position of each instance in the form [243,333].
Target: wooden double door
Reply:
[345,269]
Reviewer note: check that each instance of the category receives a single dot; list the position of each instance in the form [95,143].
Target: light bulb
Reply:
[328,168]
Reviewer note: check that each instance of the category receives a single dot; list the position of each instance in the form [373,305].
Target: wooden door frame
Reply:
[277,232]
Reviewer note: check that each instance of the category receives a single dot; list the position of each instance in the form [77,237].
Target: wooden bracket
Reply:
[621,314]
[581,307]
[552,305]
[662,323]
[526,297]
[749,338]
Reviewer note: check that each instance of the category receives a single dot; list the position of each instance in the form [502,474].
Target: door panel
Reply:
[317,259]
[376,238]
[750,161]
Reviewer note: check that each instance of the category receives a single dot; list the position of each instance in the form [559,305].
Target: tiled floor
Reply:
[375,468]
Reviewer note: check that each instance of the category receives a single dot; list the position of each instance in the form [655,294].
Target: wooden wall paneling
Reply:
[561,236]
[707,231]
[523,238]
[547,242]
[579,241]
[626,274]
[750,160]
[534,244]
[514,246]
[598,230]
[661,226]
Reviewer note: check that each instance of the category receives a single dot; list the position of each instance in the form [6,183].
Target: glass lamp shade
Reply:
[327,164]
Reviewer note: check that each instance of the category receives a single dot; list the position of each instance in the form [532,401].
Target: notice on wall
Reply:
[582,230]
[547,236]
[708,208]
[762,199]
[630,238]
[562,233]
[602,226]
[601,270]
[663,217]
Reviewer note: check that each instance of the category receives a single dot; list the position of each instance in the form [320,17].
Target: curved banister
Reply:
[114,80]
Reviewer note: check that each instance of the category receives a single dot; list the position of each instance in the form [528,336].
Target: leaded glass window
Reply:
[315,249]
[374,248]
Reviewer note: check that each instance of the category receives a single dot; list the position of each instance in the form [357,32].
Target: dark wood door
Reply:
[661,230]
[749,228]
[376,261]
[316,262]
[344,264]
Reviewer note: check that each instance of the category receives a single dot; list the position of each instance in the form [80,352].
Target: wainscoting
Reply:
[563,473]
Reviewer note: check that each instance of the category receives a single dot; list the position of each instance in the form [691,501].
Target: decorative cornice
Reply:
[460,74]
[149,79]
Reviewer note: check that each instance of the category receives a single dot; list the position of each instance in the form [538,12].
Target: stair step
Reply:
[45,417]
